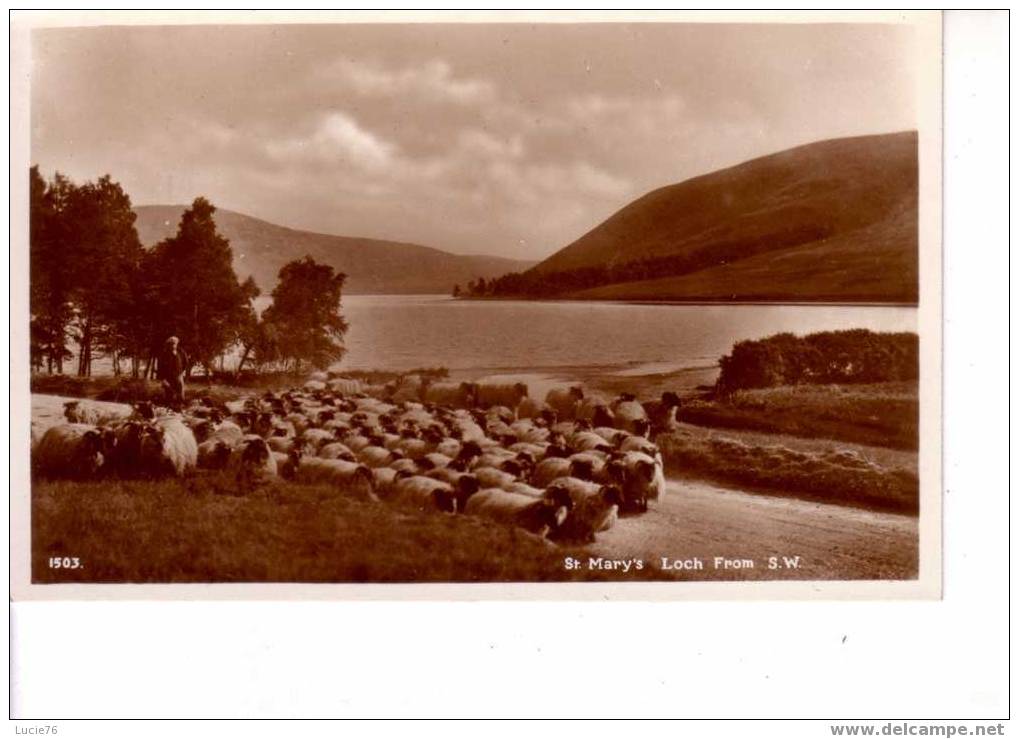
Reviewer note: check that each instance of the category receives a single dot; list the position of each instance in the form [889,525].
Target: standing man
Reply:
[171,365]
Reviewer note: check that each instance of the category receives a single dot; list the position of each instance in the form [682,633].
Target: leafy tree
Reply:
[49,286]
[190,289]
[305,316]
[103,256]
[84,255]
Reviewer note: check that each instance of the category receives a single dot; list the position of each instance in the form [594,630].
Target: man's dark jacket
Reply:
[170,366]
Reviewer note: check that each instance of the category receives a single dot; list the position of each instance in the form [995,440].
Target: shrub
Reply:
[854,356]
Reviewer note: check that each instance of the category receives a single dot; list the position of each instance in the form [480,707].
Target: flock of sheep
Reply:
[563,468]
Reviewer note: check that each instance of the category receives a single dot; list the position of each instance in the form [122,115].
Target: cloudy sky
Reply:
[496,139]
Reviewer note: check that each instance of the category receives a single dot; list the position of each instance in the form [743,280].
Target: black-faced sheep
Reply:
[533,408]
[565,401]
[596,411]
[539,516]
[630,416]
[489,477]
[377,456]
[352,478]
[505,394]
[528,431]
[550,469]
[588,441]
[656,487]
[465,484]
[252,460]
[71,450]
[595,508]
[336,450]
[463,395]
[662,413]
[213,454]
[638,482]
[426,493]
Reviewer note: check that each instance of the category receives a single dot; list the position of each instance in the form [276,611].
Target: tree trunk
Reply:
[148,367]
[244,358]
[85,349]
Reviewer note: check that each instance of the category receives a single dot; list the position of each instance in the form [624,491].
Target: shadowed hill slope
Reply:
[372,266]
[833,220]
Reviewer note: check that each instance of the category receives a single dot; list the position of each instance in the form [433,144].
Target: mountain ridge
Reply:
[839,219]
[373,266]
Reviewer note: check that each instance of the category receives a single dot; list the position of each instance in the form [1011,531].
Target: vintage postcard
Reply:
[484,306]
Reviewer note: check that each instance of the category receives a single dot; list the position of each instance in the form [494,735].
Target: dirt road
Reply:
[698,521]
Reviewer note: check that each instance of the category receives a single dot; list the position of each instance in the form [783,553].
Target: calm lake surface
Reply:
[408,331]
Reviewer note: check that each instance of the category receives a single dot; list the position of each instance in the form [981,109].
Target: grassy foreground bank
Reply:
[198,529]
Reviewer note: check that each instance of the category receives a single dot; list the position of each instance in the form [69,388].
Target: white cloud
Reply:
[336,138]
[433,80]
[473,141]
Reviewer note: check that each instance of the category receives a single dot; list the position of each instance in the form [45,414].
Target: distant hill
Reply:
[372,266]
[834,220]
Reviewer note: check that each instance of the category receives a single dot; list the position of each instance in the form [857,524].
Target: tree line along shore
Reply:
[94,286]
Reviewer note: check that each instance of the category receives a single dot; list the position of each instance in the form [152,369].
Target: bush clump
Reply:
[853,356]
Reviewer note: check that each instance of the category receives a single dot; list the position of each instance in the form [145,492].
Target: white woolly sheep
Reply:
[172,450]
[227,432]
[85,411]
[345,386]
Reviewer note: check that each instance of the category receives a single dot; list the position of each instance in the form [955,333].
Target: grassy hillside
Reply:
[834,220]
[866,265]
[372,266]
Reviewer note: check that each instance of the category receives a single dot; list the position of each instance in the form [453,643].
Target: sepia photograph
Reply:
[442,309]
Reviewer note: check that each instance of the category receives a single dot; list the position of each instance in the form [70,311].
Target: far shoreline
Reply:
[697,302]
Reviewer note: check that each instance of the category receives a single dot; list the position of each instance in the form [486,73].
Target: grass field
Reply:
[199,529]
[883,414]
[816,469]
